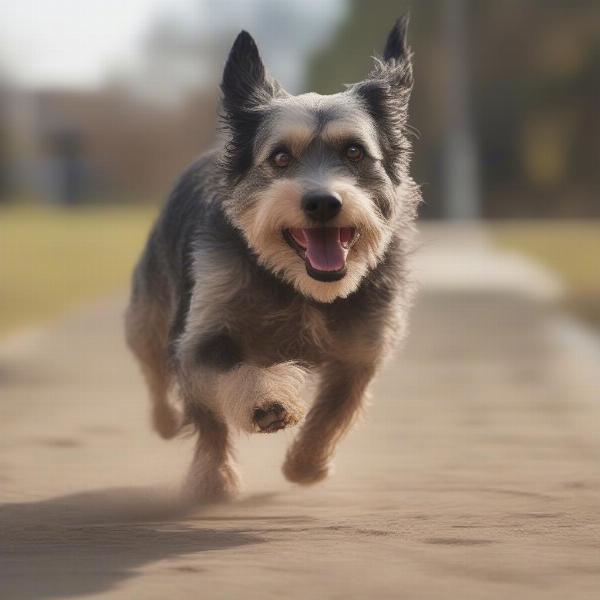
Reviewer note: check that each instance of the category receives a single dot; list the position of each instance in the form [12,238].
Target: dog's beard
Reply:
[323,265]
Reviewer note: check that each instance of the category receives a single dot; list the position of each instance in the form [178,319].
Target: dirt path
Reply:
[475,475]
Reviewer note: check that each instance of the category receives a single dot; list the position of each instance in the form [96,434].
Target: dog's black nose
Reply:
[321,206]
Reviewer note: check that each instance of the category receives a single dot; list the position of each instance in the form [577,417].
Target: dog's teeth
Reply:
[299,236]
[346,236]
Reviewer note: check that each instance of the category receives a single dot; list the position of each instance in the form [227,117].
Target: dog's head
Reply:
[318,183]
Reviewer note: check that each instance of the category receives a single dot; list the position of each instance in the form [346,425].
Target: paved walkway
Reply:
[476,473]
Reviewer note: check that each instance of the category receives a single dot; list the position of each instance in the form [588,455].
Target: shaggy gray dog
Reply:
[280,253]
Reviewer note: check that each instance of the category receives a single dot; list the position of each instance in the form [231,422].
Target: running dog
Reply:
[280,253]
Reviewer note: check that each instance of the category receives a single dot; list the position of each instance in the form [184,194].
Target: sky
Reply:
[73,42]
[76,43]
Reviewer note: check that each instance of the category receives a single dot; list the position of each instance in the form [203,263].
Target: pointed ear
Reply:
[396,46]
[386,94]
[390,82]
[245,82]
[247,91]
[396,66]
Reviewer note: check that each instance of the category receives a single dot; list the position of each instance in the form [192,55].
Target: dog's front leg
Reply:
[339,399]
[221,392]
[219,374]
[261,399]
[247,398]
[212,475]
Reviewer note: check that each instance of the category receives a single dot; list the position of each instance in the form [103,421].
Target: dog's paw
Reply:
[272,417]
[219,485]
[166,421]
[305,470]
[263,399]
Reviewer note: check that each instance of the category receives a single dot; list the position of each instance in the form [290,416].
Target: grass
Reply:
[570,248]
[54,259]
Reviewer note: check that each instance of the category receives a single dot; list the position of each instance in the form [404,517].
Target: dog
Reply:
[279,254]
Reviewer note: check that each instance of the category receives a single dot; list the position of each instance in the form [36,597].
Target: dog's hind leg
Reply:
[212,475]
[147,331]
[339,399]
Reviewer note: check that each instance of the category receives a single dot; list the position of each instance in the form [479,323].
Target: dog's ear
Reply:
[247,90]
[391,80]
[386,93]
[396,47]
[396,66]
[246,83]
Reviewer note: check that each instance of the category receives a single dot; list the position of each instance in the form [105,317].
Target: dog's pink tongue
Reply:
[324,250]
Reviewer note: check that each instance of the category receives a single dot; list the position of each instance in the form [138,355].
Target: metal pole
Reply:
[462,197]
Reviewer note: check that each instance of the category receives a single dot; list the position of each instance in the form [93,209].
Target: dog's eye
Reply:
[281,159]
[354,152]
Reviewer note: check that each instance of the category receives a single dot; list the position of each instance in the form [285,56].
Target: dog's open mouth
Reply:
[324,249]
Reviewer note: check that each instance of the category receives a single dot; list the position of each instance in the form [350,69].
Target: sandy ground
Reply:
[476,473]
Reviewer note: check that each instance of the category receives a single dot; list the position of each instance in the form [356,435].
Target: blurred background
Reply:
[103,103]
[475,473]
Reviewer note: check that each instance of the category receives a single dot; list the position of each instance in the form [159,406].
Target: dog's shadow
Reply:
[88,542]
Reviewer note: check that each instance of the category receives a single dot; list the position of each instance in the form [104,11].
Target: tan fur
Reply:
[212,475]
[217,281]
[246,388]
[278,208]
[235,395]
[338,403]
[146,326]
[352,129]
[294,135]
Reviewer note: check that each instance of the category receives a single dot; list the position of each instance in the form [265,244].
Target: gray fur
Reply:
[223,316]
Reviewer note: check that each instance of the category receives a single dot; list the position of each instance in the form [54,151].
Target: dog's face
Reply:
[317,183]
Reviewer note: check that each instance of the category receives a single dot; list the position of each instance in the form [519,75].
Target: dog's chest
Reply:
[295,332]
